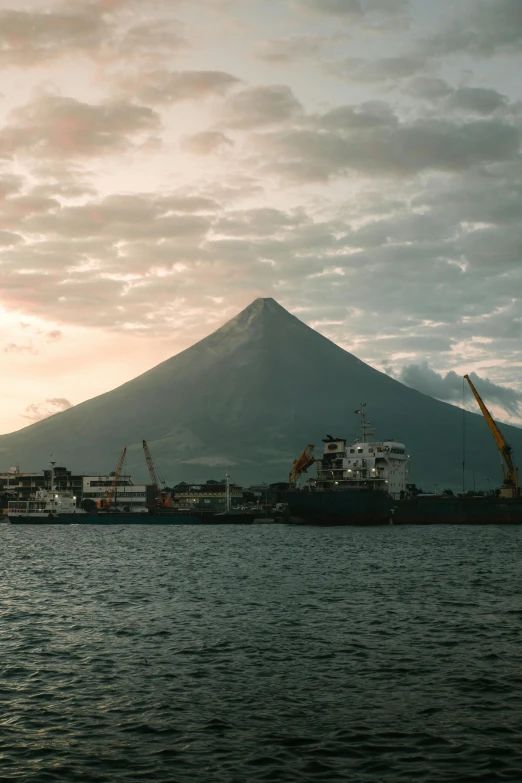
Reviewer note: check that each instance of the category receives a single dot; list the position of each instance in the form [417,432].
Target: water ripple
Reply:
[238,655]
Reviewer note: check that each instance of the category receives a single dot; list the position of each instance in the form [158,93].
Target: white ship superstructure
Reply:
[44,506]
[365,463]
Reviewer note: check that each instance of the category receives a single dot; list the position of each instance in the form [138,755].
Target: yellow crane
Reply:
[509,470]
[301,464]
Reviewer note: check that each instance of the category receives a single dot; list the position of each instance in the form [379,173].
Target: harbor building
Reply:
[127,495]
[266,495]
[23,486]
[210,496]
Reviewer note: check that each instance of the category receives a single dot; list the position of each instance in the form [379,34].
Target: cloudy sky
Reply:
[163,163]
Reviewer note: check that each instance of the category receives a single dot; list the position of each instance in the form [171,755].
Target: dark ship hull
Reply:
[231,517]
[340,507]
[443,510]
[366,507]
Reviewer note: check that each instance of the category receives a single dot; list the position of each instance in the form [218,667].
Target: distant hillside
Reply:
[251,396]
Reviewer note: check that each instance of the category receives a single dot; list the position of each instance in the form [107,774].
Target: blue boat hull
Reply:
[39,521]
[102,520]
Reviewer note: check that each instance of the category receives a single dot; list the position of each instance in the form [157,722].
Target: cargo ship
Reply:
[47,508]
[365,483]
[59,508]
[357,483]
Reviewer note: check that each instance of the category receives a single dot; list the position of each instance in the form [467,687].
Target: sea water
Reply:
[261,653]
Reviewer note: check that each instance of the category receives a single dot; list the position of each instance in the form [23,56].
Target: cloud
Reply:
[14,209]
[400,149]
[355,9]
[53,126]
[387,6]
[428,88]
[393,223]
[400,229]
[95,263]
[211,462]
[384,69]
[7,239]
[150,40]
[56,179]
[15,348]
[479,198]
[478,100]
[29,38]
[206,143]
[41,410]
[370,114]
[485,28]
[451,387]
[291,48]
[342,8]
[36,342]
[468,100]
[260,222]
[187,204]
[257,106]
[484,245]
[94,30]
[162,87]
[111,264]
[9,184]
[122,216]
[54,336]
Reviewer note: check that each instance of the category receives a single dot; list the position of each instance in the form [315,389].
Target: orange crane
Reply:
[301,464]
[106,502]
[161,497]
[510,487]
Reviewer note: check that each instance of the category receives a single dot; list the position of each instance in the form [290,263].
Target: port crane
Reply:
[301,464]
[106,502]
[161,497]
[510,488]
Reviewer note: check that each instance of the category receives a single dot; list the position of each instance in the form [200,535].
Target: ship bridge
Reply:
[363,464]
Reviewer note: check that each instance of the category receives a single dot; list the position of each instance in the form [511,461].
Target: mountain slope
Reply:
[252,395]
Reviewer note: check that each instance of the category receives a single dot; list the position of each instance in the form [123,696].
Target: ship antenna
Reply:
[52,463]
[227,490]
[463,437]
[365,425]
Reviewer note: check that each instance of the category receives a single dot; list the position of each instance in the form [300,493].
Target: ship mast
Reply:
[365,425]
[227,496]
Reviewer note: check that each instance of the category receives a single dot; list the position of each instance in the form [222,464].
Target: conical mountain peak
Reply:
[261,316]
[261,307]
[268,305]
[250,396]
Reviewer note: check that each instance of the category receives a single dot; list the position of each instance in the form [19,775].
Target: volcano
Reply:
[247,399]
